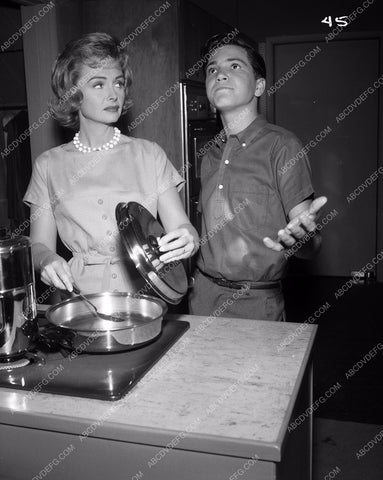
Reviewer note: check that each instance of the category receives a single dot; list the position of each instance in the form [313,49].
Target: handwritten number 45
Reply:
[341,21]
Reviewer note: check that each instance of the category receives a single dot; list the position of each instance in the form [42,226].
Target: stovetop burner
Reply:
[106,376]
[23,360]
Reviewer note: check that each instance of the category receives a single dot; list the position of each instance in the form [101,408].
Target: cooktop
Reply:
[106,376]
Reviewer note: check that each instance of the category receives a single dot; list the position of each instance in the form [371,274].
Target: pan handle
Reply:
[42,308]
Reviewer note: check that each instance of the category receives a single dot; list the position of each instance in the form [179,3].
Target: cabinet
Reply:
[65,454]
[221,408]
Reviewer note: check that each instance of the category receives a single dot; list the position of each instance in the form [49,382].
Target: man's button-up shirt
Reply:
[250,182]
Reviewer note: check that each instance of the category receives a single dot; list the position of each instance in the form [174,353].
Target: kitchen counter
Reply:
[218,402]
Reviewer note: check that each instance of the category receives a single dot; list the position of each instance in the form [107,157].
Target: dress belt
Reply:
[239,285]
[98,259]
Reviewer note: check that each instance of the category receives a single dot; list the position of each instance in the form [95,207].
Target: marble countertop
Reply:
[227,385]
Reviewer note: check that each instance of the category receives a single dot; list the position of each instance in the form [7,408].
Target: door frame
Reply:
[271,43]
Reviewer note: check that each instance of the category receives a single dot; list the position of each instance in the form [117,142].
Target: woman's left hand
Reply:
[177,245]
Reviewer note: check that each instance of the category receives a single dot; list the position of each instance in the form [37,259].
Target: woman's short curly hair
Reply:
[95,50]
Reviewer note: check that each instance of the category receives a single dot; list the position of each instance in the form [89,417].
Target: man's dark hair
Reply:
[223,39]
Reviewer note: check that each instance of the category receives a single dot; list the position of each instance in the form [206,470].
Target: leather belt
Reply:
[239,285]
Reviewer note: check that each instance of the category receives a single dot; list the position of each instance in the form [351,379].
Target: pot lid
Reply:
[139,231]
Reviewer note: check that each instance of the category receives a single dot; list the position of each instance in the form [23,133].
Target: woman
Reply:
[75,187]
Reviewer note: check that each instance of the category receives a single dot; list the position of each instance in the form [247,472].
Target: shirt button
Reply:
[112,249]
[114,275]
[226,162]
[220,187]
[104,217]
[243,144]
[100,201]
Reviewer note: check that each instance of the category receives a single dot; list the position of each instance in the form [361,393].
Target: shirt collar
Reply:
[246,135]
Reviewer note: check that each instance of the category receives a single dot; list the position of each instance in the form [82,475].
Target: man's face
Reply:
[230,79]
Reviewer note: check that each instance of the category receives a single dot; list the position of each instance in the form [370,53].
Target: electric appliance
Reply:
[201,127]
[103,363]
[18,327]
[104,376]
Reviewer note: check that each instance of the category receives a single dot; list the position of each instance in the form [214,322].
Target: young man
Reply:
[250,190]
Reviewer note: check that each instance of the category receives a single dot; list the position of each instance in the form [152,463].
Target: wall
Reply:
[225,10]
[12,88]
[266,18]
[154,61]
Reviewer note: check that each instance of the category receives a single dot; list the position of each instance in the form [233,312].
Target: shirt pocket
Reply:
[250,209]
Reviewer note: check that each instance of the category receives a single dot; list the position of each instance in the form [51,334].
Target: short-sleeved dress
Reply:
[82,191]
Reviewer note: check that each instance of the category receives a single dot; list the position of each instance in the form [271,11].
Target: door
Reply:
[315,87]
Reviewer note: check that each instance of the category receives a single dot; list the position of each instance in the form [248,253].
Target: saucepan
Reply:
[135,319]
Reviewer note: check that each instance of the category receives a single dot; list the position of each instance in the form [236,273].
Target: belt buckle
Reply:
[233,285]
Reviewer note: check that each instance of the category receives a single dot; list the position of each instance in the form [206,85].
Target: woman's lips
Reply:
[111,109]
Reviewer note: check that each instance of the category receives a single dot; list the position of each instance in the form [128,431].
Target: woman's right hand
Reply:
[56,271]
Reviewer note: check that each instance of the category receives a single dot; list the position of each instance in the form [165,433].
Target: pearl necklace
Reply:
[107,146]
